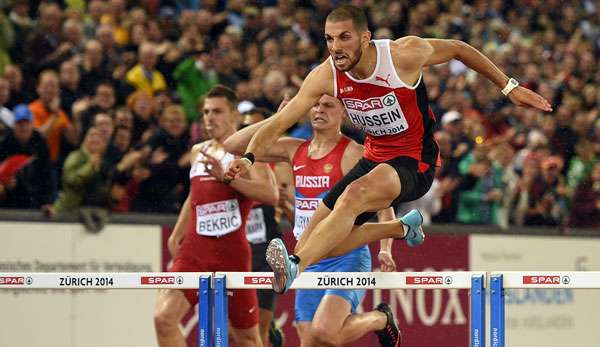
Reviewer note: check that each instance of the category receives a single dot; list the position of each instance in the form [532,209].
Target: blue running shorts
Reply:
[308,300]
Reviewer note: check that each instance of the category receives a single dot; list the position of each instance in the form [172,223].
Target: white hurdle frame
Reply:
[473,280]
[530,279]
[213,296]
[200,281]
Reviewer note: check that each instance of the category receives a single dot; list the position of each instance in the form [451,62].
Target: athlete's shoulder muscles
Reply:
[410,53]
[290,145]
[354,151]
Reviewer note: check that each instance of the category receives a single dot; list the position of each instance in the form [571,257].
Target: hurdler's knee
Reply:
[165,323]
[324,337]
[354,193]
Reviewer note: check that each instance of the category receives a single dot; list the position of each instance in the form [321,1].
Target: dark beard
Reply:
[353,63]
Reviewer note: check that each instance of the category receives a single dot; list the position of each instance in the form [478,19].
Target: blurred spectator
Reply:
[194,79]
[22,26]
[536,141]
[585,212]
[226,61]
[595,137]
[274,84]
[449,178]
[18,93]
[144,76]
[481,192]
[105,124]
[45,48]
[6,116]
[122,140]
[564,138]
[164,188]
[85,176]
[140,104]
[102,102]
[124,118]
[31,187]
[270,24]
[503,157]
[124,188]
[96,9]
[112,53]
[69,82]
[581,165]
[7,39]
[72,33]
[541,197]
[452,123]
[93,70]
[49,118]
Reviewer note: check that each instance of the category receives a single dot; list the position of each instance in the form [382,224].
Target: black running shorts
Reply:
[414,183]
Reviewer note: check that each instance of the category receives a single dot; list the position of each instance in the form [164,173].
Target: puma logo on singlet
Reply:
[377,78]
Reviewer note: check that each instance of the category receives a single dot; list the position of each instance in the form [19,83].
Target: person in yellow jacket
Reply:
[144,76]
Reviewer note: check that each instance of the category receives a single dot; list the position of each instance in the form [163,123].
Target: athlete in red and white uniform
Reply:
[383,91]
[328,317]
[395,116]
[210,234]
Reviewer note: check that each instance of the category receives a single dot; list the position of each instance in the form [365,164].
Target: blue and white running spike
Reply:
[415,235]
[284,270]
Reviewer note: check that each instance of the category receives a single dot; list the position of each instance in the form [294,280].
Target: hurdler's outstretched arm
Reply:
[413,53]
[318,82]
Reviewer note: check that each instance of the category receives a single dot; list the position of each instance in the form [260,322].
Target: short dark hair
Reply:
[221,91]
[349,12]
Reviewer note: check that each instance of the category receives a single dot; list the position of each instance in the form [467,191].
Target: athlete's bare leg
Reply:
[246,337]
[264,324]
[367,233]
[372,192]
[170,308]
[334,325]
[303,329]
[360,235]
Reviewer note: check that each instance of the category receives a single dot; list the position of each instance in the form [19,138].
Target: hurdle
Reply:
[200,281]
[530,279]
[212,290]
[474,281]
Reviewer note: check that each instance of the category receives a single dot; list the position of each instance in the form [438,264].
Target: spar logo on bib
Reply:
[307,204]
[305,208]
[378,116]
[218,218]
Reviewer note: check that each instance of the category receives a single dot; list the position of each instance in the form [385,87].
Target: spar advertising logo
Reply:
[153,280]
[546,279]
[258,280]
[12,280]
[429,280]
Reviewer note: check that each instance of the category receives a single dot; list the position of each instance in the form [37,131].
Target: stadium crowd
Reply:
[100,99]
